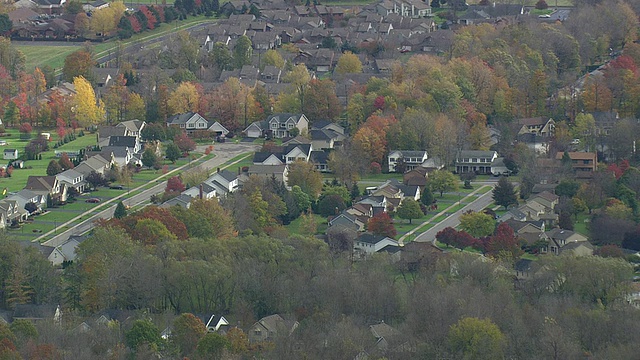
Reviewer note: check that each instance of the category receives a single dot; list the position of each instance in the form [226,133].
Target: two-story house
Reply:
[584,163]
[278,126]
[224,181]
[368,244]
[133,127]
[189,122]
[47,185]
[73,180]
[9,210]
[540,126]
[475,161]
[405,160]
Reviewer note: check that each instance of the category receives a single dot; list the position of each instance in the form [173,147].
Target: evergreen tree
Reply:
[355,191]
[120,211]
[504,194]
[427,196]
[409,209]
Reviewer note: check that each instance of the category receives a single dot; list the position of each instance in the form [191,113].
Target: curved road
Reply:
[223,153]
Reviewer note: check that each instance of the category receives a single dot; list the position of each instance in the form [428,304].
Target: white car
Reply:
[575,141]
[3,143]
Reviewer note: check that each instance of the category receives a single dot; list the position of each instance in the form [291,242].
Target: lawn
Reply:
[52,55]
[580,225]
[295,227]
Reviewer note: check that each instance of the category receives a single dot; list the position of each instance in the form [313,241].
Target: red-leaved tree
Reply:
[175,185]
[184,142]
[382,224]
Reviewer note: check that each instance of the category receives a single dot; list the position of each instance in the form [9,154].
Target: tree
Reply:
[88,111]
[330,205]
[305,175]
[382,224]
[504,242]
[54,168]
[120,211]
[541,5]
[143,332]
[79,63]
[302,199]
[172,152]
[565,221]
[187,332]
[5,24]
[149,158]
[568,188]
[242,52]
[348,63]
[409,209]
[273,57]
[184,99]
[427,196]
[184,142]
[95,179]
[477,224]
[443,181]
[476,339]
[174,184]
[504,194]
[65,162]
[212,346]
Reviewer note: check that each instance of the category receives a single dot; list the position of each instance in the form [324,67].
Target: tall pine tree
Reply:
[504,194]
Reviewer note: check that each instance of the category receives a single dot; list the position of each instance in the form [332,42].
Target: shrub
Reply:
[541,5]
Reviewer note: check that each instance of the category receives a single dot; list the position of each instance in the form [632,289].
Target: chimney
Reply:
[239,170]
[201,192]
[218,170]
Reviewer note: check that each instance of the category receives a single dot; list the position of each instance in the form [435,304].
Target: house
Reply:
[9,210]
[320,159]
[404,160]
[18,164]
[37,312]
[546,199]
[132,127]
[131,142]
[499,168]
[418,176]
[95,163]
[216,323]
[388,338]
[202,191]
[323,139]
[367,243]
[47,186]
[269,327]
[217,129]
[73,180]
[279,172]
[224,181]
[416,255]
[95,5]
[189,122]
[540,126]
[475,161]
[65,251]
[349,221]
[24,197]
[10,154]
[568,242]
[584,163]
[278,126]
[182,200]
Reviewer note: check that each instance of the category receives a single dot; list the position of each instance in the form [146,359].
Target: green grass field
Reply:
[52,55]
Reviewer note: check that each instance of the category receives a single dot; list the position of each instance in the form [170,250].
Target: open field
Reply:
[54,55]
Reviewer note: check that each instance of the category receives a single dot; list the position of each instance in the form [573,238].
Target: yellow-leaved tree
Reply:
[185,98]
[89,112]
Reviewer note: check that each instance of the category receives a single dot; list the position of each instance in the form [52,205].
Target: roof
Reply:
[267,169]
[561,234]
[227,175]
[129,141]
[283,117]
[40,182]
[384,331]
[372,239]
[534,121]
[548,196]
[410,153]
[30,311]
[476,153]
[132,125]
[577,155]
[319,157]
[181,118]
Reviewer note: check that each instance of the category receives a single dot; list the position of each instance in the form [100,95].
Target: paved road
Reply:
[453,220]
[224,152]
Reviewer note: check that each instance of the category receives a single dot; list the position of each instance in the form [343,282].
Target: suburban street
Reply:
[453,220]
[223,153]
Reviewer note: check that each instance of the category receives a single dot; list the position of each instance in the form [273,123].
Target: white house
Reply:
[10,154]
[475,161]
[278,125]
[368,244]
[190,122]
[410,159]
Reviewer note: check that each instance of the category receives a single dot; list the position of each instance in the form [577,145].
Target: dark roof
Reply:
[129,141]
[30,311]
[305,148]
[228,175]
[391,249]
[523,265]
[261,156]
[319,157]
[40,182]
[180,118]
[370,238]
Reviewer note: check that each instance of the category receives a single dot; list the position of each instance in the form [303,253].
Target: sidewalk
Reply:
[443,212]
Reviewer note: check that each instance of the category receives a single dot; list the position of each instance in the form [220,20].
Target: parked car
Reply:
[116,187]
[92,200]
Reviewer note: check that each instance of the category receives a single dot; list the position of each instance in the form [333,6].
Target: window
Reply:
[290,126]
[274,126]
[182,126]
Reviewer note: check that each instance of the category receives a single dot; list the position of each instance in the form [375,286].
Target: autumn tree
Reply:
[293,99]
[212,346]
[476,339]
[88,111]
[409,209]
[79,63]
[184,99]
[477,224]
[174,185]
[54,168]
[504,243]
[187,332]
[348,63]
[305,175]
[443,181]
[382,224]
[184,142]
[272,57]
[321,101]
[64,162]
[504,193]
[143,332]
